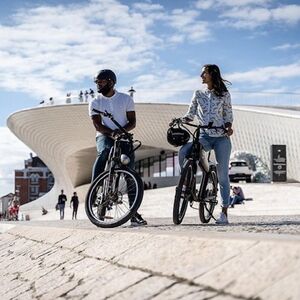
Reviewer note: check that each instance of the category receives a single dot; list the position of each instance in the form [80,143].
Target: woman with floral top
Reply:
[213,105]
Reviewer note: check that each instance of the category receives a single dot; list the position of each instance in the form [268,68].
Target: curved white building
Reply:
[64,138]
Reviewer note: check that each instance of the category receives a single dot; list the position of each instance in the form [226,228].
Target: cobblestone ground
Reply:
[289,225]
[32,269]
[54,263]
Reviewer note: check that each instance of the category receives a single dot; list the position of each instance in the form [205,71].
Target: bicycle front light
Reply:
[125,160]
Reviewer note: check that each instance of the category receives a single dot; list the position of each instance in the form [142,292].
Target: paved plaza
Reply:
[257,256]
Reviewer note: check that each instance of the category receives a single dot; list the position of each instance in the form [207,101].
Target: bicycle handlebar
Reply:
[125,133]
[181,121]
[110,116]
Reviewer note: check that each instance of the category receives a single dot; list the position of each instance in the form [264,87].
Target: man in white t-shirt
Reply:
[121,106]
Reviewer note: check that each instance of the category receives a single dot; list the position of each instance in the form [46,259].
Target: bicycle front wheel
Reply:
[183,192]
[113,198]
[209,199]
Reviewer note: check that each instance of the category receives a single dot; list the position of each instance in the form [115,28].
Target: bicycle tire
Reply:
[181,195]
[209,201]
[136,192]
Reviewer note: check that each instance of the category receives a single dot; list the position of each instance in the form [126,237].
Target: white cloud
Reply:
[166,86]
[148,7]
[17,152]
[188,25]
[206,4]
[287,46]
[266,74]
[250,14]
[56,45]
[247,17]
[59,44]
[287,13]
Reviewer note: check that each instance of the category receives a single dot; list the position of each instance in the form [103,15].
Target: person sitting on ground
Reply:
[237,196]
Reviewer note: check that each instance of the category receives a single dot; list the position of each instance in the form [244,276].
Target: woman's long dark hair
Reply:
[219,86]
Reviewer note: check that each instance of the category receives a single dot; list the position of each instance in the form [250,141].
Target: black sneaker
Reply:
[137,220]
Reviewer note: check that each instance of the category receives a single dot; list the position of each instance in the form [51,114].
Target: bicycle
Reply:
[187,190]
[116,194]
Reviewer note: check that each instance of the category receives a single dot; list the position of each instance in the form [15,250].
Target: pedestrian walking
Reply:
[92,94]
[62,199]
[80,96]
[75,202]
[68,98]
[86,95]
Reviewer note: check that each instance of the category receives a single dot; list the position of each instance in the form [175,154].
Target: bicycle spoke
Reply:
[209,201]
[110,207]
[184,192]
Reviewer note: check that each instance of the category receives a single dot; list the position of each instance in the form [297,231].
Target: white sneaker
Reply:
[222,219]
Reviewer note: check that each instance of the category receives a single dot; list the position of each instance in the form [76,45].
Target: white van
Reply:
[239,170]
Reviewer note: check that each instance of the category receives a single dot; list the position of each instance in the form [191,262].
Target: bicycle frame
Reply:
[116,194]
[114,158]
[199,155]
[186,189]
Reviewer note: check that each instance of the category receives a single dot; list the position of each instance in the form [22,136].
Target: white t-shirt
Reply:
[118,105]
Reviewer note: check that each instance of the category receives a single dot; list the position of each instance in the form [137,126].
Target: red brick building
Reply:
[33,181]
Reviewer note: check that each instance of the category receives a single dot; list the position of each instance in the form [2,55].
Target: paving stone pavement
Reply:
[257,256]
[74,260]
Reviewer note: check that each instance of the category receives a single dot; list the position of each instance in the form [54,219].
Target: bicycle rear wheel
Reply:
[114,198]
[183,192]
[209,201]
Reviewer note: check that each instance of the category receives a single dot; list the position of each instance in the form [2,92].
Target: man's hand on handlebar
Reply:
[116,133]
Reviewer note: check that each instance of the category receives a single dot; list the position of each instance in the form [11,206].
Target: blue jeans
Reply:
[62,210]
[103,145]
[222,149]
[236,199]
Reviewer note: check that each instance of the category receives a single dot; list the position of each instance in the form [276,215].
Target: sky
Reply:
[50,47]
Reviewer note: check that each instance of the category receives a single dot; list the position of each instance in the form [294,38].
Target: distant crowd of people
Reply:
[82,97]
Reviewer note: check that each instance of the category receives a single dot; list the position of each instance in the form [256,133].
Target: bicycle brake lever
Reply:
[173,122]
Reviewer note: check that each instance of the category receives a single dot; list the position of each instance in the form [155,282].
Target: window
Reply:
[170,166]
[163,165]
[34,178]
[156,167]
[239,164]
[34,190]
